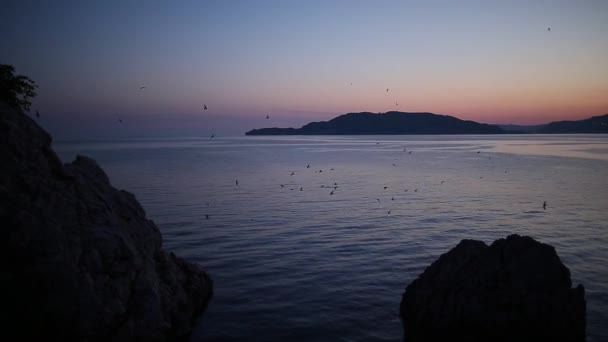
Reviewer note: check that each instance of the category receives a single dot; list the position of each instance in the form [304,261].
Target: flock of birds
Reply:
[293,186]
[205,106]
[335,186]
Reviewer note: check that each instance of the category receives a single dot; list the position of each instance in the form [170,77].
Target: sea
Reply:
[320,236]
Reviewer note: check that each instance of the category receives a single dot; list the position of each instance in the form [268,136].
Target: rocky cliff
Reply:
[79,259]
[516,289]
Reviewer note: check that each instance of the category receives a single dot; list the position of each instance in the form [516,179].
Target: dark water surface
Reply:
[308,265]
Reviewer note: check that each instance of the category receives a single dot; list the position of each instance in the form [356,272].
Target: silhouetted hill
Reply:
[596,124]
[386,123]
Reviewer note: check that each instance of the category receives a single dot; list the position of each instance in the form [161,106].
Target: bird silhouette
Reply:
[120,120]
[204,107]
[410,152]
[394,164]
[206,216]
[396,104]
[308,166]
[549,29]
[267,116]
[301,188]
[212,136]
[293,173]
[389,212]
[377,199]
[332,192]
[142,87]
[442,182]
[37,115]
[545,205]
[386,187]
[387,90]
[236,182]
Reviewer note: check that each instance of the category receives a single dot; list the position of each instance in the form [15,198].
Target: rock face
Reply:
[516,289]
[80,261]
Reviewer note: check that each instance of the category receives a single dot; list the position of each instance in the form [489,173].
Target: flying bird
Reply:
[212,136]
[204,107]
[206,216]
[332,192]
[37,115]
[293,173]
[142,87]
[387,90]
[120,120]
[549,29]
[386,187]
[545,205]
[301,188]
[267,116]
[396,104]
[237,182]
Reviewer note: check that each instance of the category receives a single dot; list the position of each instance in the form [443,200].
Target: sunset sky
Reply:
[489,61]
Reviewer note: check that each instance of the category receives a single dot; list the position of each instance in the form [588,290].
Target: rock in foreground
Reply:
[516,289]
[80,260]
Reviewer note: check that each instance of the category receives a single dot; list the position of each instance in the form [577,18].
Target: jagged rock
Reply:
[80,260]
[516,289]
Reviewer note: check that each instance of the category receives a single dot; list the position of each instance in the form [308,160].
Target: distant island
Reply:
[367,123]
[386,123]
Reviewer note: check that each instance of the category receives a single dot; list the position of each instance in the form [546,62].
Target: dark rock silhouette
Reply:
[516,289]
[387,123]
[80,260]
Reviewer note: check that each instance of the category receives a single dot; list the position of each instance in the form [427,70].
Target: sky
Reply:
[301,61]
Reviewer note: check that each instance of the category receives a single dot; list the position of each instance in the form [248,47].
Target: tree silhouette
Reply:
[16,90]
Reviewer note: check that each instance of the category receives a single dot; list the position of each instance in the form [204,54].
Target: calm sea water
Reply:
[292,261]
